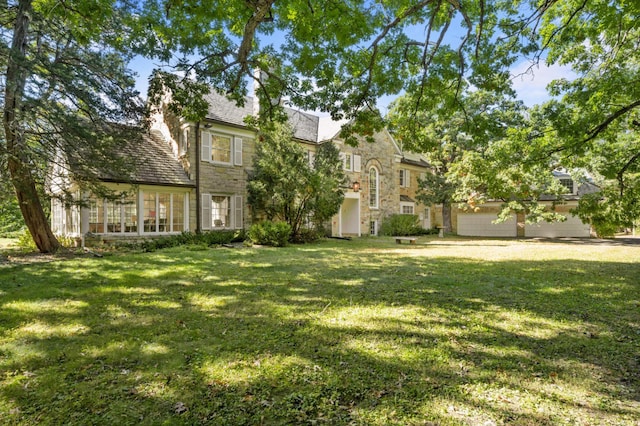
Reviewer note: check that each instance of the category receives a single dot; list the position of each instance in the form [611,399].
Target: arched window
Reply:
[373,187]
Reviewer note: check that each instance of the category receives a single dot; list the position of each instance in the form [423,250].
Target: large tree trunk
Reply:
[446,216]
[18,161]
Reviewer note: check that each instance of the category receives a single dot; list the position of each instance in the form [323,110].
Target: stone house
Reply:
[193,176]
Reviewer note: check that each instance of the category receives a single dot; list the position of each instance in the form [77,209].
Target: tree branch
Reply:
[602,126]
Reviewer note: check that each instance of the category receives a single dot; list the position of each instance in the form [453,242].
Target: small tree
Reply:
[285,185]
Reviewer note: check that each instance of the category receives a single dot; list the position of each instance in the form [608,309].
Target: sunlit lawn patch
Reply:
[448,331]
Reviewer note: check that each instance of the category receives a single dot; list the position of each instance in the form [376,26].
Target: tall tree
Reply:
[287,185]
[447,128]
[67,94]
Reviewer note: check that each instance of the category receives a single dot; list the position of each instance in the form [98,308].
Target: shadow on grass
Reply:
[318,335]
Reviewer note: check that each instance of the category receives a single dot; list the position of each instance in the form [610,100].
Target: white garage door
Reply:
[480,225]
[572,227]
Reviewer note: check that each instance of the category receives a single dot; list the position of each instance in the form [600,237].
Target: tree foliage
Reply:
[336,56]
[67,93]
[453,131]
[286,186]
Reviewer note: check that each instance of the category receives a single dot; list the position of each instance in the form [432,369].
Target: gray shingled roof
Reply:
[305,126]
[226,111]
[221,109]
[154,161]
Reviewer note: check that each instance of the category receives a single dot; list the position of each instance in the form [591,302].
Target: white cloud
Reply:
[530,81]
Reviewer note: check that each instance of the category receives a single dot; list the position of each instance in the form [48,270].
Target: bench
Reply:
[399,240]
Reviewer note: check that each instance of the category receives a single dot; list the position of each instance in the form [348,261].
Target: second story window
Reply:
[351,162]
[405,179]
[221,148]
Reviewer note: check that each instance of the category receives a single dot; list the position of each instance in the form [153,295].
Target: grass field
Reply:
[449,331]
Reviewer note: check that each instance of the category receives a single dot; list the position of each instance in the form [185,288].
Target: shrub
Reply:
[605,230]
[205,239]
[25,241]
[401,225]
[269,233]
[307,235]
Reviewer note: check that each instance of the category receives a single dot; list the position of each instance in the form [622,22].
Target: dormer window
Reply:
[567,183]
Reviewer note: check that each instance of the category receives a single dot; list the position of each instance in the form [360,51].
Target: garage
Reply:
[572,227]
[481,225]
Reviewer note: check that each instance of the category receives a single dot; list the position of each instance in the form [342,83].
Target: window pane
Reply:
[220,211]
[113,216]
[149,212]
[178,212]
[73,219]
[373,188]
[567,183]
[96,217]
[407,209]
[164,208]
[130,214]
[221,148]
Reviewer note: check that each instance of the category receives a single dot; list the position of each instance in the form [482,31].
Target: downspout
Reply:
[198,200]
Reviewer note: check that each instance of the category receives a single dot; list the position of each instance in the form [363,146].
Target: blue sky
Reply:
[529,82]
[531,87]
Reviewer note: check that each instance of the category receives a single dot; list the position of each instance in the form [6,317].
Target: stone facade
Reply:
[376,166]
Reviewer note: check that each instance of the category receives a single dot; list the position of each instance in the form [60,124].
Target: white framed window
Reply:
[568,183]
[405,178]
[221,211]
[373,227]
[221,148]
[163,212]
[351,162]
[407,208]
[96,216]
[374,183]
[57,216]
[114,216]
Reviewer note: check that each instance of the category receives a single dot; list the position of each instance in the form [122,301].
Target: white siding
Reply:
[480,225]
[572,227]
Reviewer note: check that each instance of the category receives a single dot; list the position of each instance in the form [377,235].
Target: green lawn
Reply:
[449,331]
